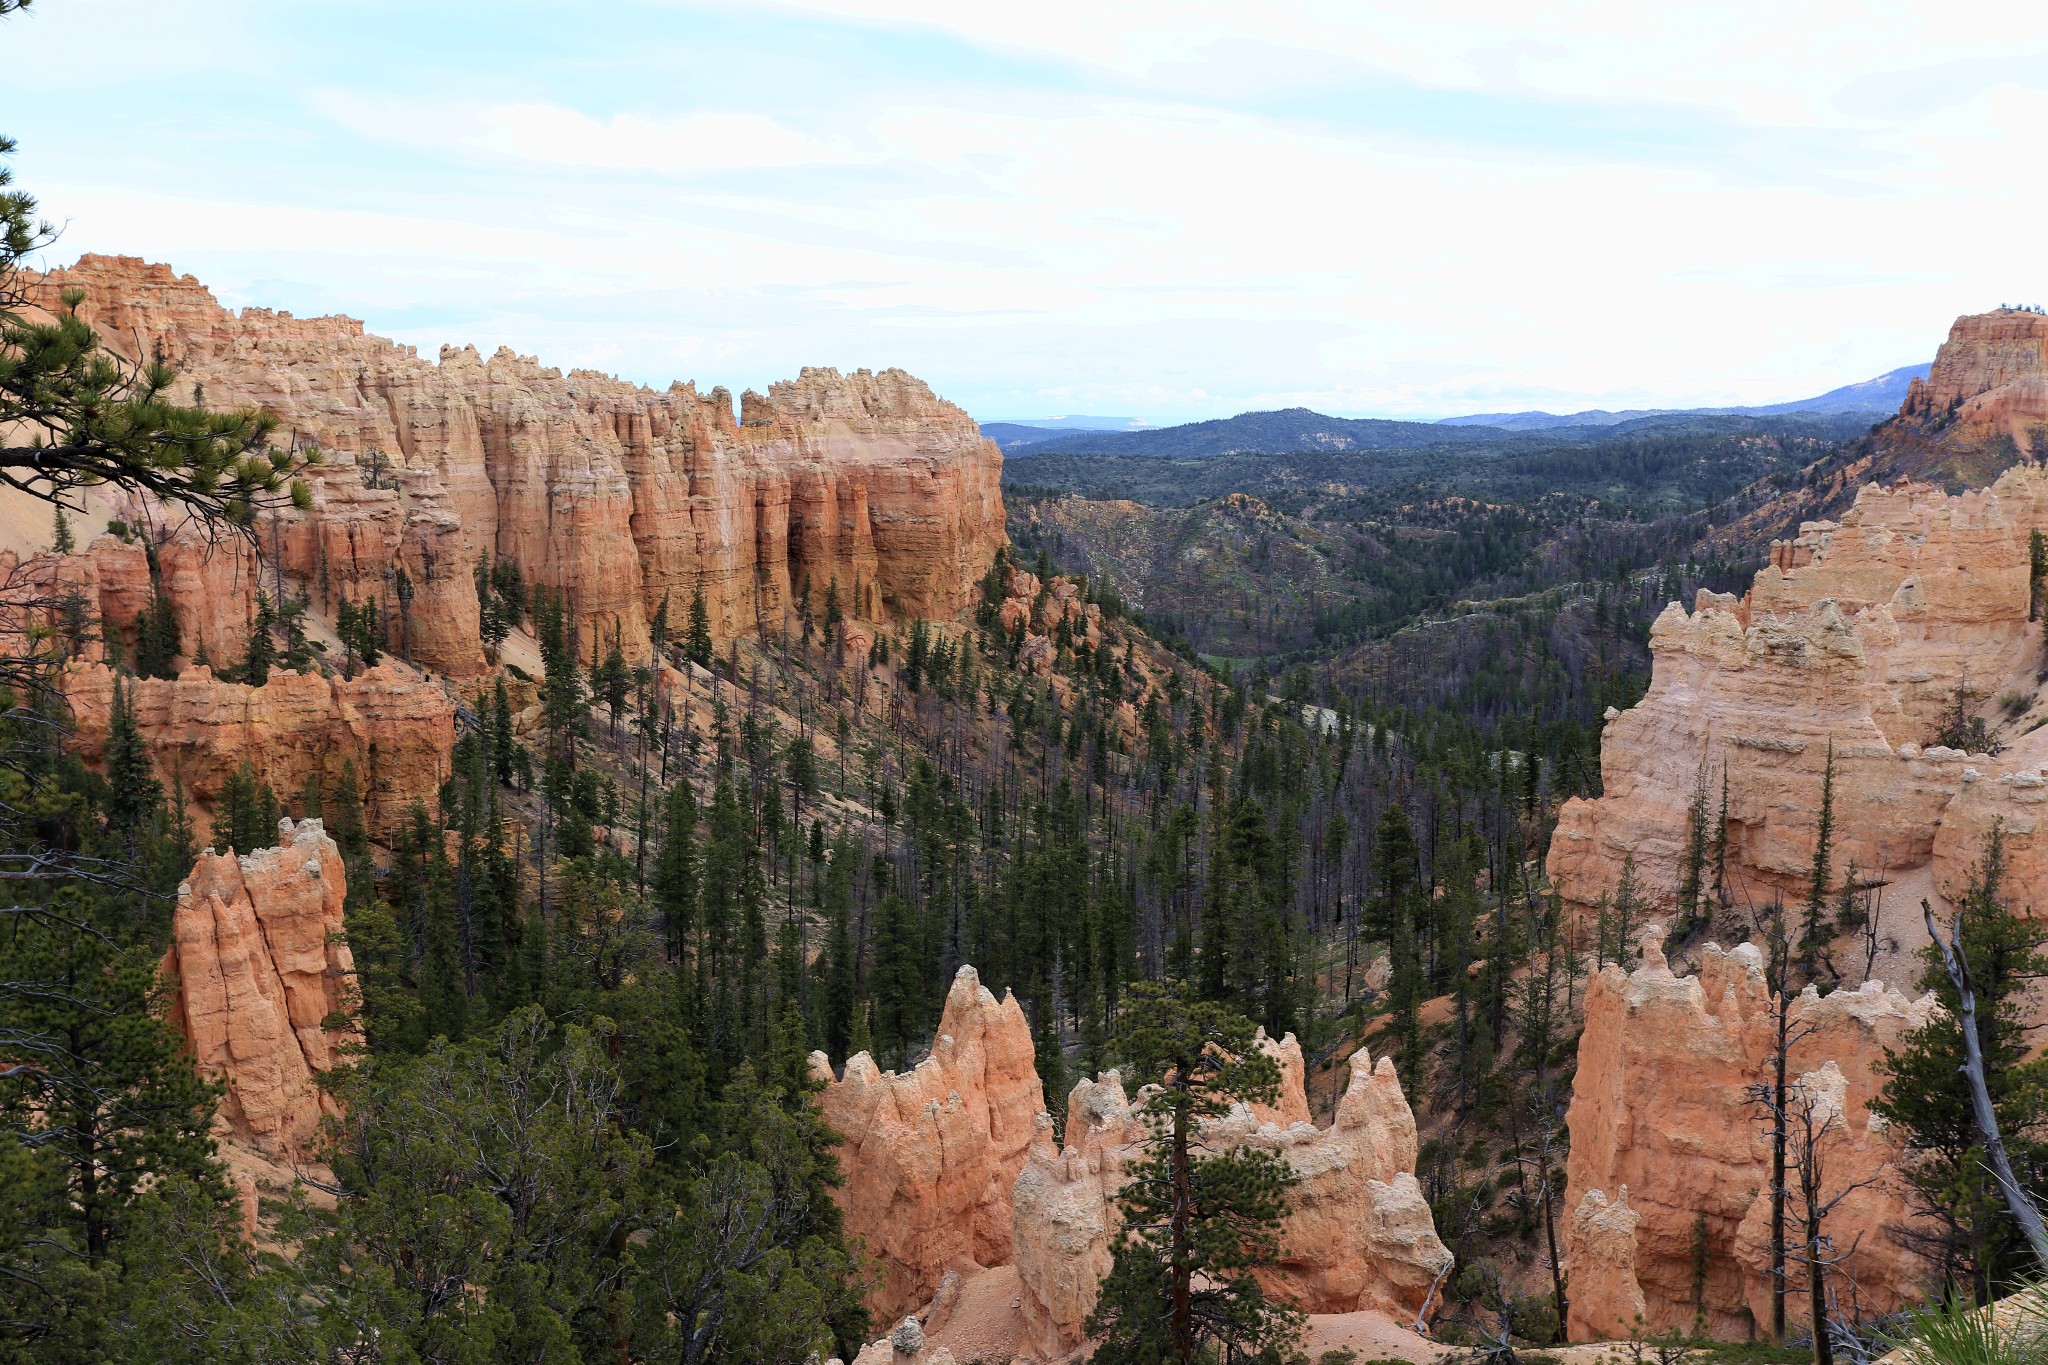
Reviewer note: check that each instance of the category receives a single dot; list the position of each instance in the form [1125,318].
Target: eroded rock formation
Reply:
[930,1155]
[1989,380]
[261,971]
[1606,1301]
[617,496]
[1660,1106]
[1360,1235]
[1856,640]
[394,727]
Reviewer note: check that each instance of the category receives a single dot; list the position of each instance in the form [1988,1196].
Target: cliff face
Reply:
[1360,1235]
[1989,380]
[930,1155]
[1859,635]
[617,496]
[260,969]
[397,730]
[1669,1156]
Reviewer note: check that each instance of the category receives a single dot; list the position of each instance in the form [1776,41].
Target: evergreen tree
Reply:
[697,645]
[262,652]
[1814,928]
[1927,1100]
[504,745]
[133,792]
[675,874]
[246,812]
[1197,1222]
[157,642]
[61,540]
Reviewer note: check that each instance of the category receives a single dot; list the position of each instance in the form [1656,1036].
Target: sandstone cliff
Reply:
[262,972]
[930,1155]
[1659,1110]
[614,495]
[396,728]
[1982,408]
[1360,1235]
[1989,380]
[1858,636]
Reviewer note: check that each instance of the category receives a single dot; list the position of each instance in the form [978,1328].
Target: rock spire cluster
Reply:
[1667,1184]
[952,1170]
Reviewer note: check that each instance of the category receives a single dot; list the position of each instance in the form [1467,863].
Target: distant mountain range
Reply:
[1292,430]
[1880,395]
[1023,431]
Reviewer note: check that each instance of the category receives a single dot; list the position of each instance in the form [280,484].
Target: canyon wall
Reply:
[1854,642]
[261,975]
[1989,381]
[616,496]
[1667,1182]
[395,728]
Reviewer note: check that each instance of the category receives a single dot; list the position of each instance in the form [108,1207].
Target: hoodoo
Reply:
[1667,1182]
[263,976]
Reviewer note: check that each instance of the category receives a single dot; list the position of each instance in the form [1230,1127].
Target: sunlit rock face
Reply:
[1359,1234]
[394,728]
[1667,1184]
[930,1155]
[616,496]
[1853,643]
[262,977]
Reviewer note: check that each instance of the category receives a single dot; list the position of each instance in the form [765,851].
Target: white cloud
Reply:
[1171,209]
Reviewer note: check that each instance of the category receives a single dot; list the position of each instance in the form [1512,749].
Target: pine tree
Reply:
[840,966]
[61,540]
[246,812]
[262,653]
[157,642]
[894,980]
[133,792]
[1197,1222]
[675,873]
[697,645]
[1927,1101]
[504,746]
[1814,929]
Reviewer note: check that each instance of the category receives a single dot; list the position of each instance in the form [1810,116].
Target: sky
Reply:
[1171,211]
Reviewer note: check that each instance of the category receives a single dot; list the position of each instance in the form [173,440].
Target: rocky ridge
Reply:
[393,727]
[1855,642]
[616,496]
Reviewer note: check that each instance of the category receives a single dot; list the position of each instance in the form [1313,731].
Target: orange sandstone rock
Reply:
[930,1155]
[261,971]
[1858,637]
[1659,1105]
[1359,1236]
[1606,1299]
[617,496]
[397,729]
[1990,379]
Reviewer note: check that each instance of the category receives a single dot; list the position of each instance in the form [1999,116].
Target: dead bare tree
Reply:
[1809,1111]
[2021,1205]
